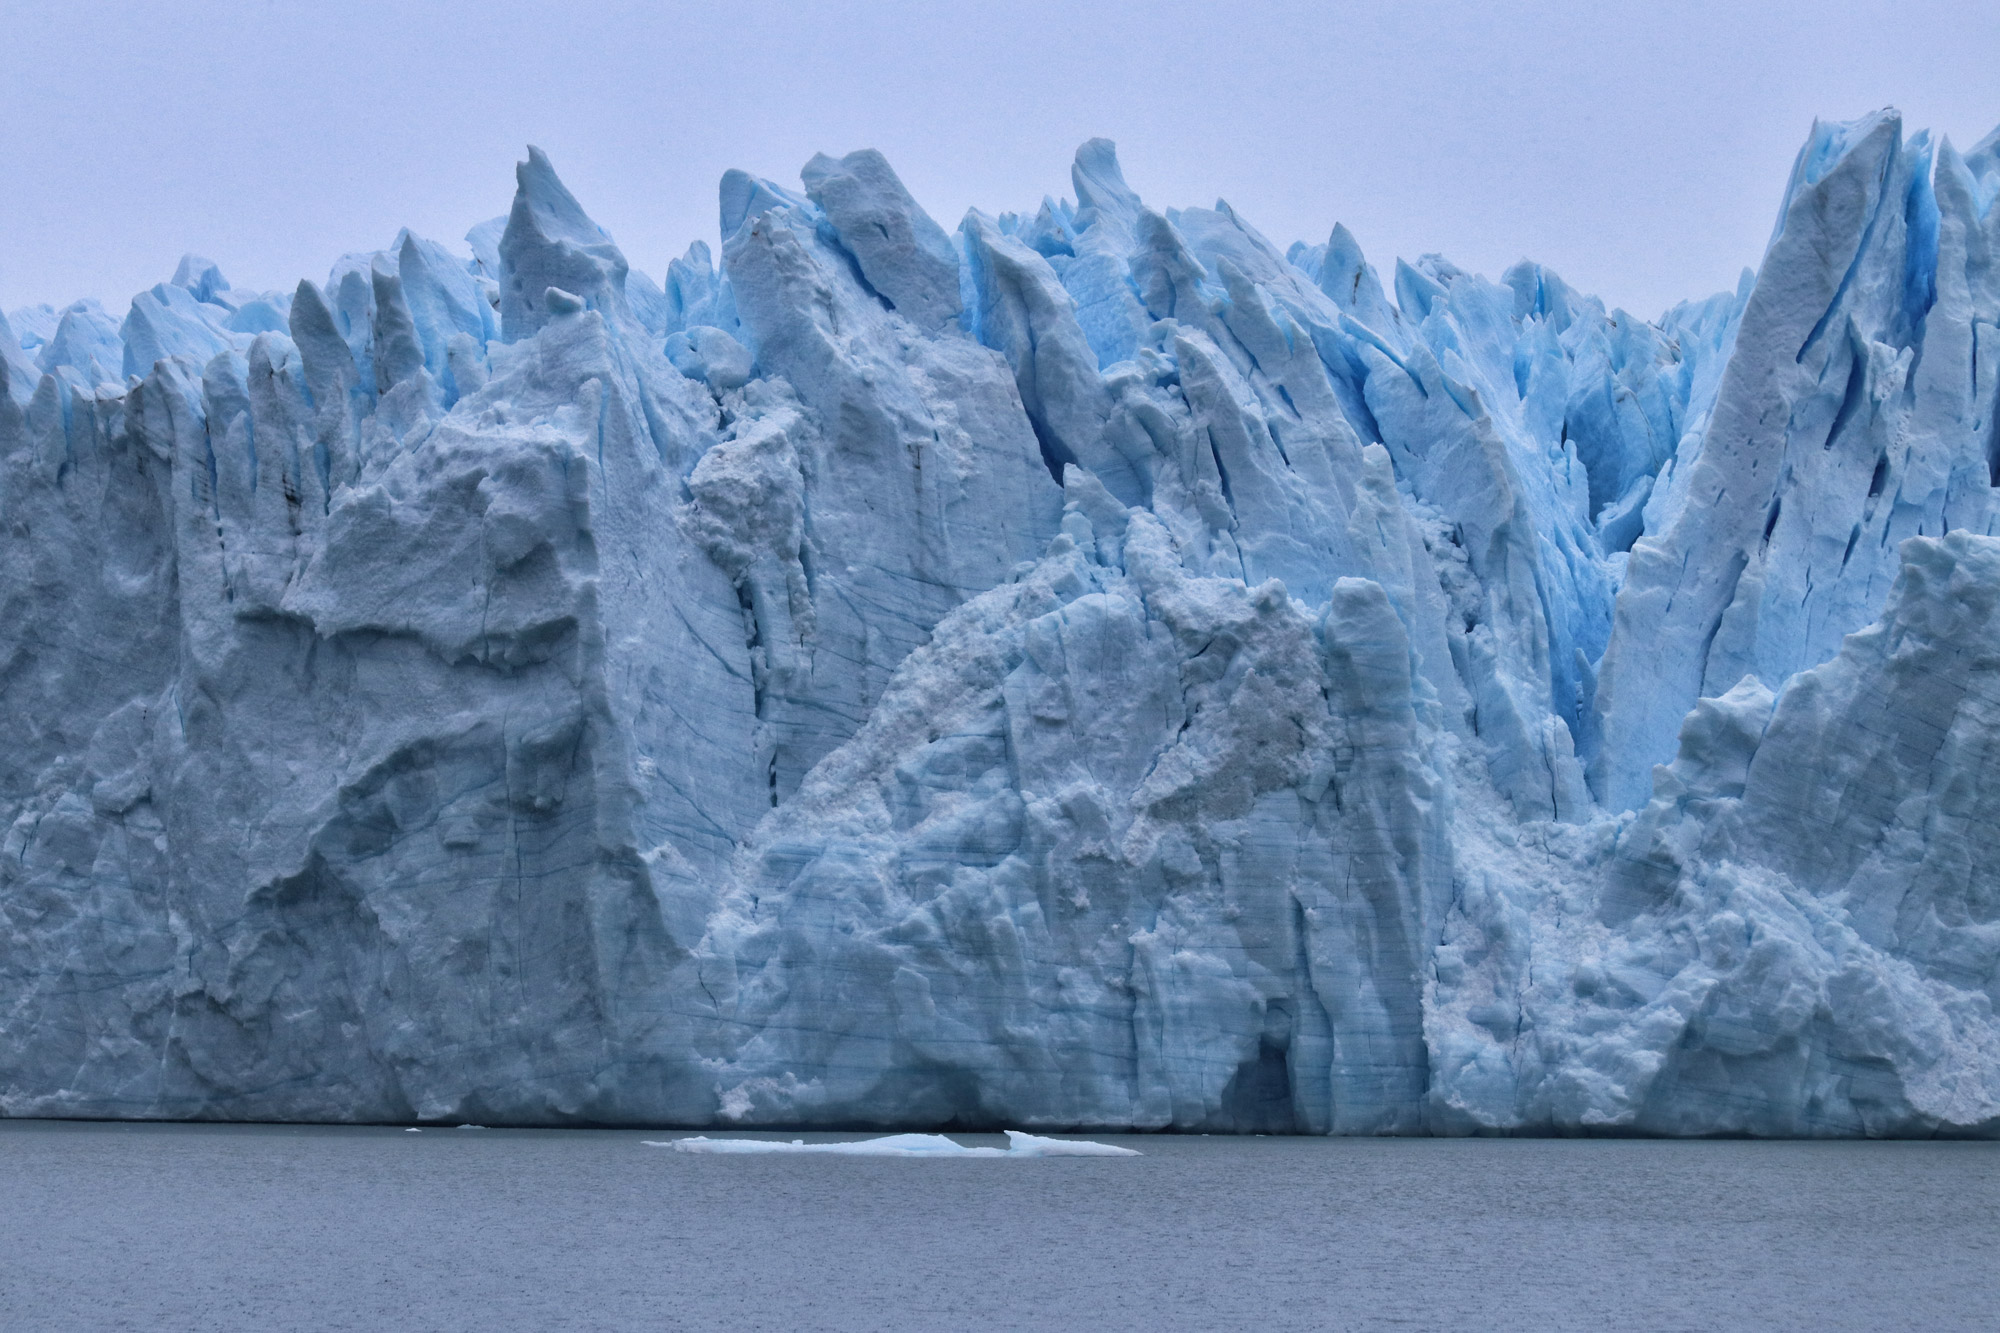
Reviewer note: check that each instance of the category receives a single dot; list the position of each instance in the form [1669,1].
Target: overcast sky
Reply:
[1639,149]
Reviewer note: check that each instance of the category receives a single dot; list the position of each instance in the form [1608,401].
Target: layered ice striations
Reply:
[1089,668]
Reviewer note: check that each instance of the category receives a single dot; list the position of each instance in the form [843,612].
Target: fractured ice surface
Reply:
[1089,668]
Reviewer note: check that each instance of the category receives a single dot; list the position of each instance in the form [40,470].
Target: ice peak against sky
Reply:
[1633,148]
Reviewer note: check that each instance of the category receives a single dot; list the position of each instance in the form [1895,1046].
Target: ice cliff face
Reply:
[1087,669]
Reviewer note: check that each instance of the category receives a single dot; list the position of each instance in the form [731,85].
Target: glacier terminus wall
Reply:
[1090,668]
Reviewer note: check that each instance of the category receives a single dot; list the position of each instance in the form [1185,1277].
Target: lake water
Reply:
[209,1227]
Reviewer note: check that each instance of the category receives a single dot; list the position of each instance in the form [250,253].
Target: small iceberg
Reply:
[901,1145]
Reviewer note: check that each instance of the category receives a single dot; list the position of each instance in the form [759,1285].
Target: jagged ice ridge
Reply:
[1090,669]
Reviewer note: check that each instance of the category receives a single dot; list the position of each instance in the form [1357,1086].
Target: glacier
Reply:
[931,1147]
[1086,669]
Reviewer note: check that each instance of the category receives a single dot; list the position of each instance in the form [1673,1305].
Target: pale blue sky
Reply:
[1638,149]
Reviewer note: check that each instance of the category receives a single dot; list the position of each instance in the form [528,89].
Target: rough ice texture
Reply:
[1086,669]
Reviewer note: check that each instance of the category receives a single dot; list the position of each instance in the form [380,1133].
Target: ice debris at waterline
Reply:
[901,1145]
[1087,669]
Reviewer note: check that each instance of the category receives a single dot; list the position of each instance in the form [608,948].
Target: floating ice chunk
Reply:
[900,1145]
[893,1145]
[1034,1145]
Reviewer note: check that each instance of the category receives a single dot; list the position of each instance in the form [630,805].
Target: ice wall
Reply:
[1088,669]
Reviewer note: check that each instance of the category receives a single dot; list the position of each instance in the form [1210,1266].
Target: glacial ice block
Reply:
[1019,1144]
[1088,668]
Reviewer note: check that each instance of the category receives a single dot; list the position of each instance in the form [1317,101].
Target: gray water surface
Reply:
[233,1227]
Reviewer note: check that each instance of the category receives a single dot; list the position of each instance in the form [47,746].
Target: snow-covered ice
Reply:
[1089,667]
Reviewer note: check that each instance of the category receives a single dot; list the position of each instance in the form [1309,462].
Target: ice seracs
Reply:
[1087,669]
